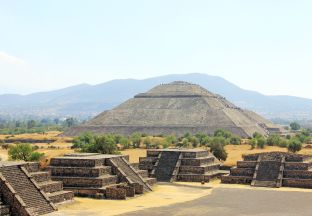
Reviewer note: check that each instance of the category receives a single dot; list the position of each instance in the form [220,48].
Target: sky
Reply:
[258,45]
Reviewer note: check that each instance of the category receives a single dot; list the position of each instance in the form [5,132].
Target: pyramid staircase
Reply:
[53,189]
[274,169]
[31,198]
[129,173]
[180,165]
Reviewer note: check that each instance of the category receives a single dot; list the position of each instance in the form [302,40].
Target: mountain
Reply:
[85,100]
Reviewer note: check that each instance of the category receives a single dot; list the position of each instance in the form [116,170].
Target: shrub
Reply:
[103,144]
[261,142]
[274,140]
[24,152]
[295,126]
[136,140]
[147,142]
[218,151]
[235,140]
[83,140]
[294,145]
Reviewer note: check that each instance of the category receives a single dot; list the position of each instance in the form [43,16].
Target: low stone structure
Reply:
[99,176]
[274,169]
[180,165]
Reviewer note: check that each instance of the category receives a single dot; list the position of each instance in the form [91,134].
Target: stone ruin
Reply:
[169,165]
[100,176]
[274,169]
[27,191]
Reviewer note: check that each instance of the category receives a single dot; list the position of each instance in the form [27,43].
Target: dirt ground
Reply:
[199,200]
[162,195]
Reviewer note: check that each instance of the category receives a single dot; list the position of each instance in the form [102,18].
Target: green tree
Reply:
[103,144]
[24,152]
[223,133]
[218,151]
[235,140]
[294,145]
[83,140]
[274,140]
[147,142]
[261,142]
[136,140]
[295,126]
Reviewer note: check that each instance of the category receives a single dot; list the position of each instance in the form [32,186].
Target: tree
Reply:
[194,141]
[218,151]
[147,142]
[136,140]
[83,140]
[31,124]
[235,140]
[103,144]
[295,126]
[294,145]
[24,152]
[261,142]
[223,133]
[274,139]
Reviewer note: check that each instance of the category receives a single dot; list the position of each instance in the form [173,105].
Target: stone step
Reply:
[265,183]
[41,176]
[81,171]
[229,179]
[51,186]
[91,182]
[61,196]
[198,169]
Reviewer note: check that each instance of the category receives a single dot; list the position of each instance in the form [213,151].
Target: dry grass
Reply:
[134,154]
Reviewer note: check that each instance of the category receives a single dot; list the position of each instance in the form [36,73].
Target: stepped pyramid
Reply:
[273,169]
[176,108]
[187,165]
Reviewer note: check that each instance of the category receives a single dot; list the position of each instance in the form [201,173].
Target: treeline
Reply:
[112,143]
[36,126]
[293,143]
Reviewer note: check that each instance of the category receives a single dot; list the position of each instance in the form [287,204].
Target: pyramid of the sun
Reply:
[176,108]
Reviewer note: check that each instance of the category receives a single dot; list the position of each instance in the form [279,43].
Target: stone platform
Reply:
[188,165]
[274,169]
[99,175]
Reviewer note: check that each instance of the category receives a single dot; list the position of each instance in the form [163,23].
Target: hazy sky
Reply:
[259,45]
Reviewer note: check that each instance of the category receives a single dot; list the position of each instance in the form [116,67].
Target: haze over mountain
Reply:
[85,100]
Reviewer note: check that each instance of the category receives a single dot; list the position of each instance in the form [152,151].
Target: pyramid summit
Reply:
[176,108]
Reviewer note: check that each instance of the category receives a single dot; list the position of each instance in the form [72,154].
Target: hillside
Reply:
[88,100]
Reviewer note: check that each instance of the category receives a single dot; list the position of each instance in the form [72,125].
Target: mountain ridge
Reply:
[84,100]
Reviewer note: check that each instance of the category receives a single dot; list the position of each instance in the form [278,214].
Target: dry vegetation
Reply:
[62,146]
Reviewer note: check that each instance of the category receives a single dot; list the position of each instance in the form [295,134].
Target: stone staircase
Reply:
[36,201]
[4,209]
[130,173]
[267,173]
[53,189]
[166,166]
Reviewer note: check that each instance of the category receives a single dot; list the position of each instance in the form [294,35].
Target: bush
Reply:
[274,140]
[294,145]
[83,140]
[24,152]
[136,140]
[147,142]
[223,133]
[103,144]
[261,142]
[295,126]
[235,140]
[218,151]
